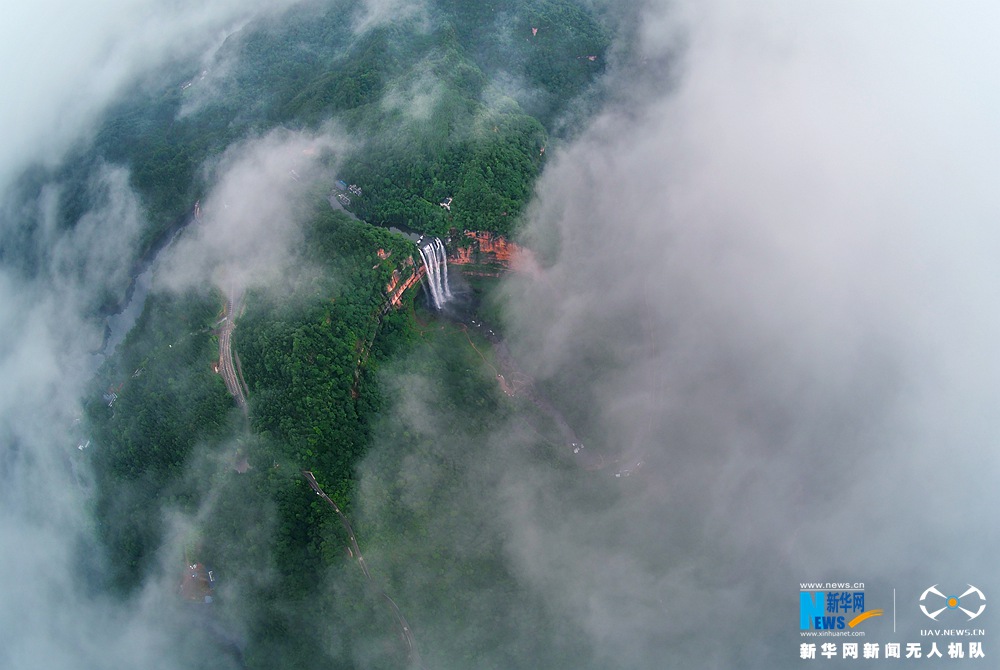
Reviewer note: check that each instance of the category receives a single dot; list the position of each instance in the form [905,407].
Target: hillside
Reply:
[454,109]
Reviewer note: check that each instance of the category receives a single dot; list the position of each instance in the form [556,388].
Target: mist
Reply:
[248,230]
[375,13]
[770,275]
[782,263]
[770,269]
[72,62]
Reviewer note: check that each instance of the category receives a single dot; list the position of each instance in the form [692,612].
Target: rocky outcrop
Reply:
[398,286]
[481,253]
[489,254]
[484,248]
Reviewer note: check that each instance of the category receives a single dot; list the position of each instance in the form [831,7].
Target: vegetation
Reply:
[306,359]
[460,111]
[309,358]
[152,405]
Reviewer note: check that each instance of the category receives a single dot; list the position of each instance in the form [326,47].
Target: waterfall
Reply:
[444,264]
[435,259]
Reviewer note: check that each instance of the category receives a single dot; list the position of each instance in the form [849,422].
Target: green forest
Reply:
[493,93]
[172,437]
[315,360]
[324,361]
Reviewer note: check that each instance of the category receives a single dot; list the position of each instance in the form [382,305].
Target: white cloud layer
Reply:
[782,260]
[771,278]
[66,60]
[249,231]
[376,13]
[65,64]
[786,253]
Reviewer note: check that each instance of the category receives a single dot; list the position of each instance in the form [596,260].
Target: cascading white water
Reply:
[444,267]
[435,259]
[430,269]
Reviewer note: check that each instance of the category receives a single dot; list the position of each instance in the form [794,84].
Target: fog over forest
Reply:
[768,276]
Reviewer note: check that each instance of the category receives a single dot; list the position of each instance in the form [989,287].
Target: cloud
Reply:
[376,13]
[771,271]
[52,609]
[216,67]
[249,232]
[780,259]
[72,61]
[416,98]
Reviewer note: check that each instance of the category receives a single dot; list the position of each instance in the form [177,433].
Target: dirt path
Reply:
[236,385]
[404,627]
[226,367]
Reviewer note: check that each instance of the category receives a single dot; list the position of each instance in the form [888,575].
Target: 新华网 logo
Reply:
[833,610]
[933,602]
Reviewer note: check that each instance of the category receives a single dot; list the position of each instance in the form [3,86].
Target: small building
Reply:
[197,584]
[341,184]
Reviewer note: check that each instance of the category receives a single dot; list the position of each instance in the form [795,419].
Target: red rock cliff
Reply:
[495,251]
[398,286]
[486,254]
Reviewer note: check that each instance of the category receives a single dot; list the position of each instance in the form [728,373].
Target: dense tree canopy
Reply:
[459,107]
[457,110]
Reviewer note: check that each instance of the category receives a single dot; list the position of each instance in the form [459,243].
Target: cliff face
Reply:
[494,247]
[491,254]
[486,254]
[398,286]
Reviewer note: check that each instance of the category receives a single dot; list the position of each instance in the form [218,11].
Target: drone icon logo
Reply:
[954,602]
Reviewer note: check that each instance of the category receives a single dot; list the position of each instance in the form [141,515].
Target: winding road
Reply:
[226,367]
[516,383]
[411,645]
[235,385]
